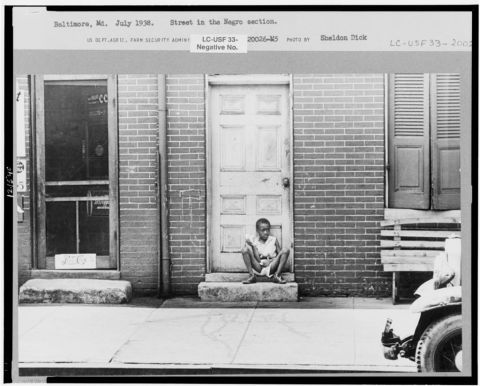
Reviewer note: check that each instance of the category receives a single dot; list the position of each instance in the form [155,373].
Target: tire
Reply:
[439,344]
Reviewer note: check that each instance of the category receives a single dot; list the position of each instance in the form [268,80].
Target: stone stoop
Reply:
[241,276]
[238,292]
[89,291]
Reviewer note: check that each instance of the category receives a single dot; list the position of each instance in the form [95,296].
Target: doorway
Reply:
[76,169]
[249,155]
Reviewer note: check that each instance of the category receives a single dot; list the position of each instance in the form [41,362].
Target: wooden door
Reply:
[250,161]
[409,139]
[424,141]
[445,123]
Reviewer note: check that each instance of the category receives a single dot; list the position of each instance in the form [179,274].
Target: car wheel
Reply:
[440,346]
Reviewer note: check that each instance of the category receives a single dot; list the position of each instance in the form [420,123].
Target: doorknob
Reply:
[286,182]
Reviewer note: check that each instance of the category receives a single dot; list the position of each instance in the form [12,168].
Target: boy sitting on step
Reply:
[263,255]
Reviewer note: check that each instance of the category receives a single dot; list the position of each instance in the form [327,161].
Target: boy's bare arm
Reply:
[254,249]
[277,246]
[255,253]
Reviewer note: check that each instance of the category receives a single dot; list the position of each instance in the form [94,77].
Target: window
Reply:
[76,169]
[424,141]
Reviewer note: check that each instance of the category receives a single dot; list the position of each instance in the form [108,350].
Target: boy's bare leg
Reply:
[279,263]
[251,263]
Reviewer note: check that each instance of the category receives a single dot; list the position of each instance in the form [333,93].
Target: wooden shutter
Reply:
[408,150]
[445,123]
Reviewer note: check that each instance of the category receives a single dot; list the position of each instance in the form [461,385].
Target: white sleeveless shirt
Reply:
[267,248]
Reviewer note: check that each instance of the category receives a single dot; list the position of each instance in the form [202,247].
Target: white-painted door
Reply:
[250,160]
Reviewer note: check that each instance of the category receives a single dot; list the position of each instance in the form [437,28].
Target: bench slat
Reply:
[418,233]
[426,220]
[426,267]
[412,244]
[409,252]
[408,259]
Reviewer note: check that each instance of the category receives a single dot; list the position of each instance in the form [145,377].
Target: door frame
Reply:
[38,170]
[243,80]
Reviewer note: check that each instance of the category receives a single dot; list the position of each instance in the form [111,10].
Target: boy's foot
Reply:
[251,279]
[277,279]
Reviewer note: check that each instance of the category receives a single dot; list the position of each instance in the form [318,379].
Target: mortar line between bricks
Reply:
[133,332]
[244,334]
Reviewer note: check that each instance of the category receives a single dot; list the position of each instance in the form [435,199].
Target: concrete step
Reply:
[238,292]
[91,291]
[241,276]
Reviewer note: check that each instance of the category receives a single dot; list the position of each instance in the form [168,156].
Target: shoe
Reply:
[277,279]
[251,279]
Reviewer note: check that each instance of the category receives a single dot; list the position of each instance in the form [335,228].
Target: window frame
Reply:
[37,83]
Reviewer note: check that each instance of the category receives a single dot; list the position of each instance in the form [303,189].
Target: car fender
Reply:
[426,287]
[444,297]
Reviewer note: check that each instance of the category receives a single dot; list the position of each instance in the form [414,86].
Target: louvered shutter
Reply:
[445,123]
[408,156]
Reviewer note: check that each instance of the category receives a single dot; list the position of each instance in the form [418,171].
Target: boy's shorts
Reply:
[265,271]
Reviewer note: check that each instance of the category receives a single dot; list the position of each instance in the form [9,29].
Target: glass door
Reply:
[75,175]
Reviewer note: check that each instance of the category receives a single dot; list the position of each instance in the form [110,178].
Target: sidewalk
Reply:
[149,336]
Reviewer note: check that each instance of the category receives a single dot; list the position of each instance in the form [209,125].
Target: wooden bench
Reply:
[411,244]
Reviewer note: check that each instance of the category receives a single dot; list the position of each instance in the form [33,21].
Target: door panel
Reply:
[409,137]
[268,148]
[250,155]
[409,167]
[233,150]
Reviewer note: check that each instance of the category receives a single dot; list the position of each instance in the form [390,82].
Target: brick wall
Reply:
[339,184]
[24,240]
[138,136]
[187,181]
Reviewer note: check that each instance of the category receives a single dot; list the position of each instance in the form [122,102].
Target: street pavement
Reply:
[185,334]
